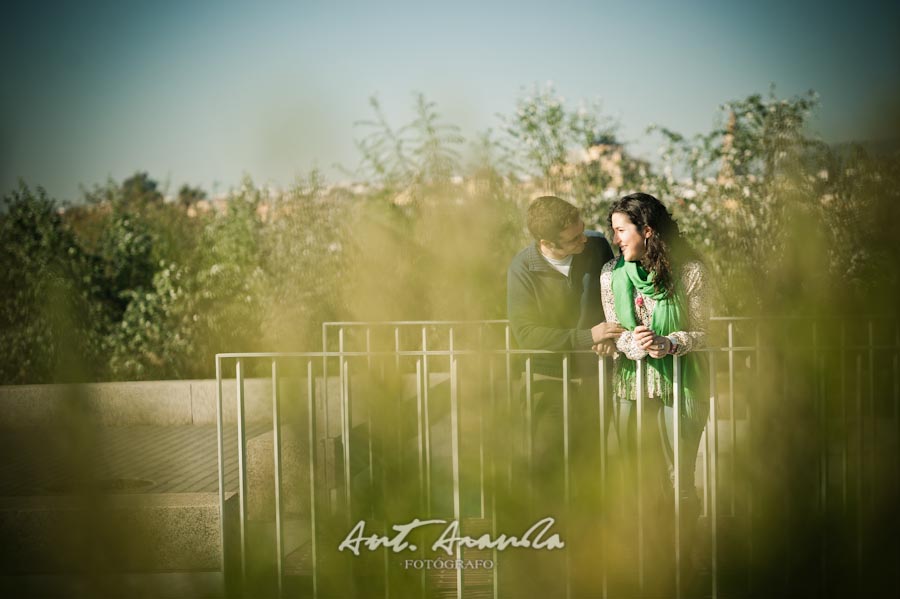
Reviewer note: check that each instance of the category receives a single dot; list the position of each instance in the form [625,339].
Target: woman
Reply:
[656,290]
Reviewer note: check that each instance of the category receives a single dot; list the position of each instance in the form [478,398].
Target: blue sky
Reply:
[205,92]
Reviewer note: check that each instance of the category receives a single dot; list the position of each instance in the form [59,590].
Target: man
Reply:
[553,303]
[553,288]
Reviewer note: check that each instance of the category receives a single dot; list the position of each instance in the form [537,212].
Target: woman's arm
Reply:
[695,285]
[626,342]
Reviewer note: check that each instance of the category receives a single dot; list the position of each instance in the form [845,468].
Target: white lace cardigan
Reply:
[693,282]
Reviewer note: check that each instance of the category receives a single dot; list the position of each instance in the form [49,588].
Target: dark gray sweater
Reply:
[548,310]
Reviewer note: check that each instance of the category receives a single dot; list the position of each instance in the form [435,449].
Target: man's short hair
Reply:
[548,216]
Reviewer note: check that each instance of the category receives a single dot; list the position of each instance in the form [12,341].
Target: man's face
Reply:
[571,241]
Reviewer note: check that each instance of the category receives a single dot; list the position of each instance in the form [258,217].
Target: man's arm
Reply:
[525,319]
[531,333]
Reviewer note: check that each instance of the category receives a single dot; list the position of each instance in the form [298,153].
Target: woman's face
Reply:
[628,238]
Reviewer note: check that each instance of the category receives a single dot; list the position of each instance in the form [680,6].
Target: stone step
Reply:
[158,585]
[165,532]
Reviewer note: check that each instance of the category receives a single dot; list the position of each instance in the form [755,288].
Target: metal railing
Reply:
[448,404]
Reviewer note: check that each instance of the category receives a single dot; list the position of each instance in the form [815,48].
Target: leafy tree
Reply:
[231,274]
[490,159]
[434,145]
[47,304]
[140,190]
[757,177]
[156,335]
[188,196]
[544,133]
[126,256]
[306,245]
[425,152]
[383,151]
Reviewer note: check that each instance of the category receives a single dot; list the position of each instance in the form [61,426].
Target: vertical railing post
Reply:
[639,406]
[820,402]
[752,402]
[482,494]
[276,446]
[872,467]
[845,423]
[567,482]
[732,479]
[454,453]
[399,431]
[311,439]
[821,399]
[220,448]
[529,431]
[348,431]
[325,419]
[346,417]
[242,467]
[789,499]
[604,507]
[427,420]
[676,450]
[860,432]
[714,475]
[421,426]
[388,455]
[494,422]
[420,435]
[509,411]
[896,381]
[370,414]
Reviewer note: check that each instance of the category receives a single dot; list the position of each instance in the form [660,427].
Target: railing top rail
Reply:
[514,352]
[809,317]
[348,323]
[344,323]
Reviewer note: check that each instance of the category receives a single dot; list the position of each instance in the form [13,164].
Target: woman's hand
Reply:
[655,345]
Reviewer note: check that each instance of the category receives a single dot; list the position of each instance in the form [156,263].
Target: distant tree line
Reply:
[126,285]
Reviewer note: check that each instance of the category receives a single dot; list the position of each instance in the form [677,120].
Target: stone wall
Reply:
[161,403]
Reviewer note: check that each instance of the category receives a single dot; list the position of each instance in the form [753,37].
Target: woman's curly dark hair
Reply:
[665,246]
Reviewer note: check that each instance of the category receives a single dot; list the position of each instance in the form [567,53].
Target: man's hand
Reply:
[655,345]
[606,347]
[606,331]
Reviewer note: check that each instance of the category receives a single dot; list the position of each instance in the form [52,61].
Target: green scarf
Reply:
[669,315]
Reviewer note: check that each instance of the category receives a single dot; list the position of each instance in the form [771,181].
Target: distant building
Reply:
[607,153]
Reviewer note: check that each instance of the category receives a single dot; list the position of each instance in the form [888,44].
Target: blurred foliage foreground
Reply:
[129,284]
